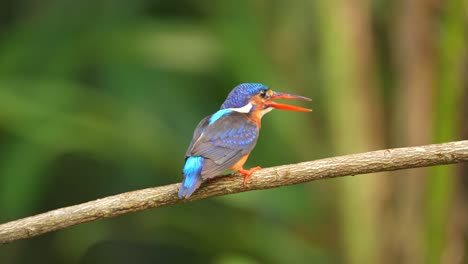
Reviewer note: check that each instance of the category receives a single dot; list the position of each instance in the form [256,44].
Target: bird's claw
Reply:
[247,173]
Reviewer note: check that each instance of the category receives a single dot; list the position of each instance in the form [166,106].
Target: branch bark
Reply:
[375,161]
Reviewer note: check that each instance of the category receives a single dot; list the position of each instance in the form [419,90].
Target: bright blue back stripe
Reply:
[218,115]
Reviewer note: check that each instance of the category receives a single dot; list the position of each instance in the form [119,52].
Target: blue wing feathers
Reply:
[235,138]
[219,142]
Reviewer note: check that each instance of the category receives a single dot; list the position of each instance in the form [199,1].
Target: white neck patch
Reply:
[245,109]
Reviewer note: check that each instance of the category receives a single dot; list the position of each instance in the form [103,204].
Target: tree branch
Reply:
[375,161]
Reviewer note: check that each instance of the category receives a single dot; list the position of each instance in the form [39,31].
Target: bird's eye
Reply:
[263,93]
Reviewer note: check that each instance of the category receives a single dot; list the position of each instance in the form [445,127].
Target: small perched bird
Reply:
[224,140]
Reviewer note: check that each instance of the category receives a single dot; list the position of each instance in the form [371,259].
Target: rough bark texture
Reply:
[376,161]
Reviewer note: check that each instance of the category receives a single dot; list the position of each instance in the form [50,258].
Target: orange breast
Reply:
[255,117]
[240,163]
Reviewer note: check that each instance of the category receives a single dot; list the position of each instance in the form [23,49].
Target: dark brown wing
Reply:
[196,134]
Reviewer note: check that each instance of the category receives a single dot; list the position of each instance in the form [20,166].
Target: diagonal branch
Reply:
[375,161]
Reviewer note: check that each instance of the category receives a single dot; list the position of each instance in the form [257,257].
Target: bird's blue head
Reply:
[256,98]
[242,94]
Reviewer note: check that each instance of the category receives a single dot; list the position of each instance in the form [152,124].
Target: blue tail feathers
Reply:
[192,173]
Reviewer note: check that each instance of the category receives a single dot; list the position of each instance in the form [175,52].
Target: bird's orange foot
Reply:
[247,173]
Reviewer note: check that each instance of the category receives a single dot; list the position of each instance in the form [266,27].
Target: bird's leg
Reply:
[247,173]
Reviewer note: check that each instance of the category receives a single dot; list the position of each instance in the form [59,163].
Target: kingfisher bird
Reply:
[223,141]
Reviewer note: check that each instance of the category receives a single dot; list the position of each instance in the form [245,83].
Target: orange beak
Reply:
[278,95]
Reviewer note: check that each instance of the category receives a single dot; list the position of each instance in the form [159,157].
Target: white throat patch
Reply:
[245,109]
[266,110]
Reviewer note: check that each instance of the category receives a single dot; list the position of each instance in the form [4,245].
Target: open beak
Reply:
[278,95]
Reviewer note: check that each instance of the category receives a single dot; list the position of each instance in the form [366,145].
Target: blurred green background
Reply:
[101,97]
